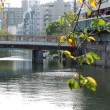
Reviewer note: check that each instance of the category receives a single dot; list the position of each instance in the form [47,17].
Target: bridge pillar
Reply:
[37,57]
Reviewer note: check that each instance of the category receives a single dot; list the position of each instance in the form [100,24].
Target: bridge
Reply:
[35,43]
[31,42]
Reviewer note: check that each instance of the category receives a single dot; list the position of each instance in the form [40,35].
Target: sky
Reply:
[17,3]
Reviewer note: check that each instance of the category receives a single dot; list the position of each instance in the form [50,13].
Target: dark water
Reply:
[24,86]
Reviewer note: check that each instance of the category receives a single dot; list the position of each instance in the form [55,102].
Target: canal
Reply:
[43,87]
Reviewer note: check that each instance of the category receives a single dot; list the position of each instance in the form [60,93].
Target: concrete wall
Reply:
[102,48]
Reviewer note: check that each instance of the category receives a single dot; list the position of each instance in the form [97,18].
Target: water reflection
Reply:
[27,86]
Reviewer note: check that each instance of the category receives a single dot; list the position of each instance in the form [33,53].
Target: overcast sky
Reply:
[17,3]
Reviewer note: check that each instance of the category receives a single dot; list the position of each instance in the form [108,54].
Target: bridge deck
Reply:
[34,45]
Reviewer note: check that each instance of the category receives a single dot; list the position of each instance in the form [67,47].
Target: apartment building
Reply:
[51,12]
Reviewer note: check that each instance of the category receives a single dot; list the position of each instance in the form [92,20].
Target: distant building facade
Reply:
[41,15]
[25,4]
[52,11]
[11,17]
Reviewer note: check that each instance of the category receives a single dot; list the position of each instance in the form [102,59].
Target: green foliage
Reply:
[89,59]
[72,84]
[91,86]
[54,27]
[3,32]
[99,22]
[4,35]
[51,52]
[81,81]
[89,12]
[94,55]
[72,37]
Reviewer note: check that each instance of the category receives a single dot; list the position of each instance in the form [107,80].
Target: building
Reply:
[51,12]
[15,16]
[37,17]
[104,10]
[25,4]
[31,19]
[12,29]
[10,17]
[28,23]
[19,30]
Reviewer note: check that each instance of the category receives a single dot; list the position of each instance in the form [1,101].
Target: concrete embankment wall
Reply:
[103,50]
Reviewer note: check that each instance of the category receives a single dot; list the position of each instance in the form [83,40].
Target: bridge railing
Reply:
[24,38]
[86,22]
[28,38]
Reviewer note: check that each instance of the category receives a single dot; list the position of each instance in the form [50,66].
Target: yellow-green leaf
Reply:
[89,12]
[89,59]
[108,24]
[91,38]
[93,3]
[68,53]
[100,22]
[62,38]
[94,55]
[91,86]
[76,85]
[60,20]
[90,79]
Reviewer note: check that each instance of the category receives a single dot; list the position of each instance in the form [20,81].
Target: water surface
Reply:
[43,87]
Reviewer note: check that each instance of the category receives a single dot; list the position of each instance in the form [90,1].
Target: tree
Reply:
[54,27]
[3,32]
[97,25]
[5,35]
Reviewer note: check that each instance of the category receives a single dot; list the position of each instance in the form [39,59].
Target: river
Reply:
[24,86]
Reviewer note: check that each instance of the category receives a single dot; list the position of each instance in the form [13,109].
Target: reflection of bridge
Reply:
[36,44]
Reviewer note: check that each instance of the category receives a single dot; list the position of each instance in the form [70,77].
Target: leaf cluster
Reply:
[79,38]
[54,27]
[3,32]
[81,81]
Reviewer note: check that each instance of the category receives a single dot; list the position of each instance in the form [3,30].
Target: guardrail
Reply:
[24,38]
[28,38]
[86,22]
